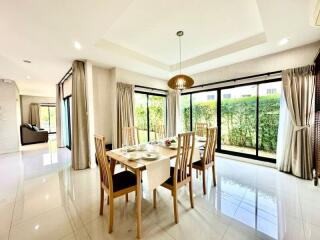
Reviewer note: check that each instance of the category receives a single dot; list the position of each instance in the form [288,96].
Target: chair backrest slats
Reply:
[210,146]
[201,129]
[130,136]
[184,156]
[105,172]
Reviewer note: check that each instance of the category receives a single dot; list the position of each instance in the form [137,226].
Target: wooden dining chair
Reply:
[130,136]
[115,185]
[201,129]
[181,173]
[160,132]
[208,158]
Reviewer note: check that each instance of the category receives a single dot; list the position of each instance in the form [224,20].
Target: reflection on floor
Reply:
[41,198]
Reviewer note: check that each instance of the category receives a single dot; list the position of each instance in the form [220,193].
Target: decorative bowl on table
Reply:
[170,142]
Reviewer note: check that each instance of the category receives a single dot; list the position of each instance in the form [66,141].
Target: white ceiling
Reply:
[140,35]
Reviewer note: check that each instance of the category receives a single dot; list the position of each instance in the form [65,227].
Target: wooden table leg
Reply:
[138,203]
[112,165]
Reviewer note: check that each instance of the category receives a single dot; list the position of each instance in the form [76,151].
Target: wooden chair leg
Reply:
[191,194]
[110,215]
[127,197]
[101,200]
[154,198]
[175,205]
[204,181]
[214,175]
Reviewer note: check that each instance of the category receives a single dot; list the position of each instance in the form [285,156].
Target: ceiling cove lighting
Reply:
[77,45]
[283,41]
[180,81]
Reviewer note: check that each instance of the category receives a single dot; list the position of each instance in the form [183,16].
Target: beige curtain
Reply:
[80,141]
[173,113]
[59,115]
[299,91]
[34,114]
[125,113]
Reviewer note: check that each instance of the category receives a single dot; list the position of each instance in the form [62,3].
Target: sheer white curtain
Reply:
[284,137]
[60,118]
[173,113]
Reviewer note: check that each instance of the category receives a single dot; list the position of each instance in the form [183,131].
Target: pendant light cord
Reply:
[180,52]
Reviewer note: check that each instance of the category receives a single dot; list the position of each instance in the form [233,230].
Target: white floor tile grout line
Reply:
[14,206]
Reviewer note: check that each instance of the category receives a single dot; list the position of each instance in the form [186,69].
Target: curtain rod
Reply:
[156,89]
[236,79]
[66,76]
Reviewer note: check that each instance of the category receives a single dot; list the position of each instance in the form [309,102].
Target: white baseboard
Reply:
[247,160]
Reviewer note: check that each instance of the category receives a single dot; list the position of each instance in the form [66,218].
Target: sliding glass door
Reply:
[141,116]
[157,114]
[204,108]
[247,117]
[150,114]
[269,113]
[48,117]
[238,119]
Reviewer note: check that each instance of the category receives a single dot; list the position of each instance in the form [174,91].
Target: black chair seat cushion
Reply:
[198,163]
[170,180]
[123,180]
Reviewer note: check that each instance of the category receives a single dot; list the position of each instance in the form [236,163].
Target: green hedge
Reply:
[239,120]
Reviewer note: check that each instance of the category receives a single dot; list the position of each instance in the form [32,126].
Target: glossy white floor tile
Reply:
[42,198]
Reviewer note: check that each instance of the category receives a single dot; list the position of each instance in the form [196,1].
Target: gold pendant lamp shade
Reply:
[180,81]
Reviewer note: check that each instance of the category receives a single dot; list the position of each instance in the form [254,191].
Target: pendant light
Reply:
[180,81]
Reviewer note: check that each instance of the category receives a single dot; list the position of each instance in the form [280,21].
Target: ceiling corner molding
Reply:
[229,49]
[117,49]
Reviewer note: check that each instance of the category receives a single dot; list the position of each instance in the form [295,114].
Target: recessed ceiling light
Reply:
[28,77]
[36,227]
[77,45]
[283,41]
[26,61]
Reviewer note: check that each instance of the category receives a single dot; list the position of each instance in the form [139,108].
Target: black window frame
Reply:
[148,118]
[218,89]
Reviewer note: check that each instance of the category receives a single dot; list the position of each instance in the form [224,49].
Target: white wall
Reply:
[296,57]
[9,117]
[134,78]
[25,102]
[104,94]
[102,99]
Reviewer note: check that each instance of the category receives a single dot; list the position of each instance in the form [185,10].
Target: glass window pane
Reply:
[185,112]
[269,110]
[238,119]
[204,108]
[141,120]
[157,116]
[52,119]
[44,118]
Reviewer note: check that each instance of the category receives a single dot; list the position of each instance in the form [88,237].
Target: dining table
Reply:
[121,156]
